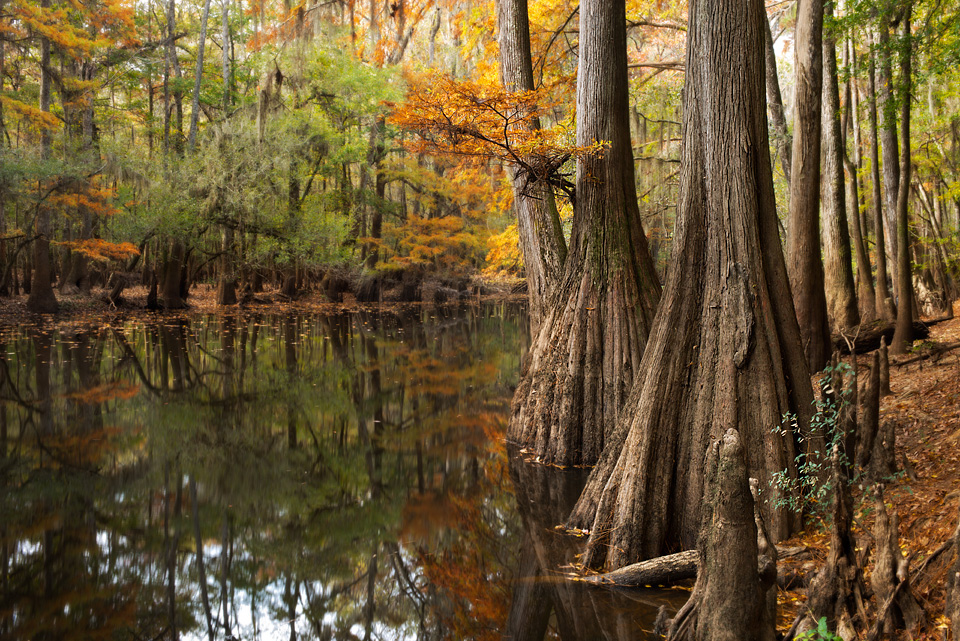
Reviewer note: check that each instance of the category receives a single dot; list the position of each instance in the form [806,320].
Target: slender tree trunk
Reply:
[725,349]
[903,336]
[42,298]
[225,53]
[583,360]
[889,146]
[838,272]
[885,306]
[866,294]
[803,227]
[538,221]
[195,105]
[782,137]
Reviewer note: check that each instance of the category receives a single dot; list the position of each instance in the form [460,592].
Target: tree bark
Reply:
[885,306]
[889,146]
[538,221]
[725,348]
[903,336]
[729,598]
[803,226]
[783,139]
[838,268]
[42,299]
[582,362]
[171,274]
[866,293]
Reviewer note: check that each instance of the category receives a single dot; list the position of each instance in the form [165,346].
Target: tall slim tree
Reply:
[583,361]
[889,145]
[195,106]
[902,336]
[885,306]
[42,298]
[803,225]
[538,221]
[838,272]
[725,349]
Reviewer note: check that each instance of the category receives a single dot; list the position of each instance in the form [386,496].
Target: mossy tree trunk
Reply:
[583,360]
[725,348]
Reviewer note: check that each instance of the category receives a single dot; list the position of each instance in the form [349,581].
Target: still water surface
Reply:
[271,476]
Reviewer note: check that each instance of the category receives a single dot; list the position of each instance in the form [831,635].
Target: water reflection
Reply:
[280,476]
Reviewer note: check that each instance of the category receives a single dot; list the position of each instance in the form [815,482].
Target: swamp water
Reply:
[271,476]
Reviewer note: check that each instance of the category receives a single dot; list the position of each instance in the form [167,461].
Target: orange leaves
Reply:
[484,121]
[103,393]
[439,242]
[74,201]
[35,117]
[99,249]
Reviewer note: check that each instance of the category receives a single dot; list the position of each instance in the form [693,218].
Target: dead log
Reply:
[670,570]
[890,579]
[729,597]
[935,353]
[867,339]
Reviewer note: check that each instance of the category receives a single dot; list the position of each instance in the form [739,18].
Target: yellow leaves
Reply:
[504,256]
[42,120]
[102,250]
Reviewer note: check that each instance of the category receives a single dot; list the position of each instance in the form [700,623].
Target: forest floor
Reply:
[925,407]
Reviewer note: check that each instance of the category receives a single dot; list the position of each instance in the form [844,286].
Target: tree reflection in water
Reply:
[275,476]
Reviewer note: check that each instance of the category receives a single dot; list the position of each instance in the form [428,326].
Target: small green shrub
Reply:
[822,633]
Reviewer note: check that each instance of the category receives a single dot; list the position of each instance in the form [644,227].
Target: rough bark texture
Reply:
[584,358]
[902,337]
[538,222]
[729,598]
[803,225]
[725,348]
[885,306]
[952,609]
[869,414]
[171,276]
[838,266]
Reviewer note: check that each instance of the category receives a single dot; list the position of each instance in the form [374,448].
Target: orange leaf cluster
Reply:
[99,249]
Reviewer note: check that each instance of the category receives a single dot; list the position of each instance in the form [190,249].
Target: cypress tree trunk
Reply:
[866,293]
[538,222]
[725,348]
[42,298]
[885,306]
[889,146]
[838,272]
[583,360]
[803,229]
[903,336]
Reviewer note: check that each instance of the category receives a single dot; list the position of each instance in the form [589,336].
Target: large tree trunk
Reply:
[589,346]
[903,336]
[171,275]
[838,272]
[803,225]
[538,222]
[885,306]
[725,348]
[42,298]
